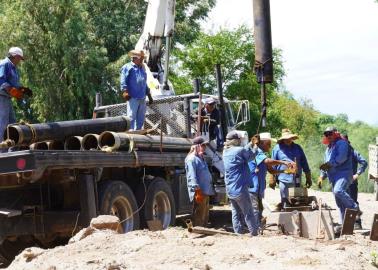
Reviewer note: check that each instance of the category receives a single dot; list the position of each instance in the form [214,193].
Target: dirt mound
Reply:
[176,248]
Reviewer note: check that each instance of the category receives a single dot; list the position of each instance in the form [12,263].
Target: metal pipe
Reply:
[110,141]
[222,108]
[90,142]
[73,143]
[27,134]
[263,41]
[55,145]
[39,146]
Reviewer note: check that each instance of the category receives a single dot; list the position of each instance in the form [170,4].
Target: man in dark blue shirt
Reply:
[9,80]
[134,89]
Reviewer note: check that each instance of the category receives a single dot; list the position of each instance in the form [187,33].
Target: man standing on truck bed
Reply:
[9,87]
[199,182]
[134,89]
[357,158]
[211,119]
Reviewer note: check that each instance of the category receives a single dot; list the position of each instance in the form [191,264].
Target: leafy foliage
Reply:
[234,50]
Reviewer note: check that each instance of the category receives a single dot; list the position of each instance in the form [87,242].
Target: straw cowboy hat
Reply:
[287,134]
[136,53]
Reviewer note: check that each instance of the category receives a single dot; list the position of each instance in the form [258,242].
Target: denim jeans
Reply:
[7,116]
[284,190]
[342,198]
[353,193]
[257,208]
[136,110]
[241,208]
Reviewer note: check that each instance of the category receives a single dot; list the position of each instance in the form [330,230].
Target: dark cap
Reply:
[199,140]
[232,135]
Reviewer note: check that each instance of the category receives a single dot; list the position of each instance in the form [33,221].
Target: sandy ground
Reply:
[176,248]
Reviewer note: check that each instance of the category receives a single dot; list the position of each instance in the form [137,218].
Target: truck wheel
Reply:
[158,203]
[116,198]
[9,250]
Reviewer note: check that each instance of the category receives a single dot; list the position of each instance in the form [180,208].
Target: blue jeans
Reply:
[284,190]
[257,211]
[136,110]
[241,207]
[7,116]
[342,198]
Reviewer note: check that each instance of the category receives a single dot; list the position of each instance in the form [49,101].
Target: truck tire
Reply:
[116,198]
[157,203]
[9,250]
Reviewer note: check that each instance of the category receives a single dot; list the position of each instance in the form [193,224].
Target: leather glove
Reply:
[255,140]
[126,96]
[150,99]
[320,182]
[325,166]
[198,196]
[308,180]
[272,181]
[26,91]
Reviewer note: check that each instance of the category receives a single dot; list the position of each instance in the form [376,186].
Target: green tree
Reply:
[234,51]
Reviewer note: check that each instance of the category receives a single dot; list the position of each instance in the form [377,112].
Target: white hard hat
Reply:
[16,51]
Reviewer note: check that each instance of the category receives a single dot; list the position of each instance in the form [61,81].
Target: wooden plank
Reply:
[349,220]
[374,229]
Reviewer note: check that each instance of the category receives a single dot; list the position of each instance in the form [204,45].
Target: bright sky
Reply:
[330,50]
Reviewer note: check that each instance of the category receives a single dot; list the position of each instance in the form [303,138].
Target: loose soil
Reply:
[176,248]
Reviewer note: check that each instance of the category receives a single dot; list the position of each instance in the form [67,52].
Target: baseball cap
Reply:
[232,135]
[16,51]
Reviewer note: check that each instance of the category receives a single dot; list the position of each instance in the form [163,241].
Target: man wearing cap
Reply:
[199,181]
[211,119]
[9,81]
[287,150]
[237,178]
[337,167]
[259,167]
[357,159]
[134,89]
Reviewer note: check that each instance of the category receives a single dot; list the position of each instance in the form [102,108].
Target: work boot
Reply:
[338,231]
[357,225]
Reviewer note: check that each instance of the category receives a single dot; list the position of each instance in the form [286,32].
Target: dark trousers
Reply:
[201,212]
[353,193]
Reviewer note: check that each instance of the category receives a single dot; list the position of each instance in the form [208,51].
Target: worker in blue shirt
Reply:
[259,167]
[134,89]
[199,182]
[9,81]
[357,159]
[338,168]
[236,177]
[289,151]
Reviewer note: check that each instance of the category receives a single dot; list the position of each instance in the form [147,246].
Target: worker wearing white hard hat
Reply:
[9,84]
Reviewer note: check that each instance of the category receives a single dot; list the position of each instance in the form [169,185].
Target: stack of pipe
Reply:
[24,134]
[111,141]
